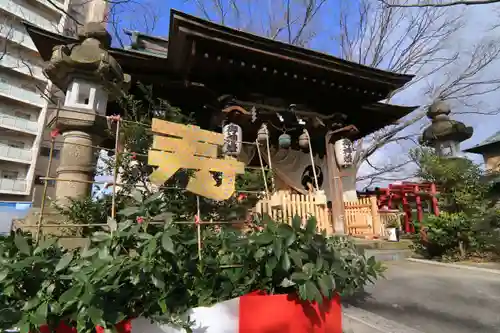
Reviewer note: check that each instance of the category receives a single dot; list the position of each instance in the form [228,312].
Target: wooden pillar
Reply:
[418,202]
[335,182]
[407,210]
[375,216]
[435,207]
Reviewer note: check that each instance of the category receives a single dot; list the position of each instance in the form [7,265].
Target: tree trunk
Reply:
[349,184]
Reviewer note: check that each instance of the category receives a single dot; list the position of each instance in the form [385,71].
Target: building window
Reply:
[40,181]
[15,144]
[22,115]
[44,151]
[10,174]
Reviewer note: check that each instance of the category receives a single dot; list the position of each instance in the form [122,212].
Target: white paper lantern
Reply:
[344,152]
[233,136]
[86,95]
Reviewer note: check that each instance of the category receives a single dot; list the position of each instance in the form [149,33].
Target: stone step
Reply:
[388,255]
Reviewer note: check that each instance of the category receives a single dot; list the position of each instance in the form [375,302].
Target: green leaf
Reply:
[3,275]
[270,266]
[40,317]
[86,253]
[284,230]
[298,277]
[64,261]
[104,254]
[129,211]
[264,238]
[153,197]
[71,294]
[113,226]
[285,262]
[325,287]
[22,245]
[313,293]
[96,315]
[152,245]
[311,225]
[278,248]
[45,245]
[303,292]
[167,243]
[319,263]
[100,236]
[297,260]
[137,195]
[157,280]
[296,222]
[308,269]
[31,303]
[290,239]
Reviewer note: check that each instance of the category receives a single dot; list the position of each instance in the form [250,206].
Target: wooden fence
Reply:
[284,206]
[362,217]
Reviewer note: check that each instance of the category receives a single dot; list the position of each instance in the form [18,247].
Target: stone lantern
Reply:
[444,134]
[90,77]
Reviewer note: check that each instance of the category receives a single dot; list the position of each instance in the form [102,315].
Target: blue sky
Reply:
[256,17]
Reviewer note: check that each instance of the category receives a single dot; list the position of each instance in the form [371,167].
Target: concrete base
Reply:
[384,250]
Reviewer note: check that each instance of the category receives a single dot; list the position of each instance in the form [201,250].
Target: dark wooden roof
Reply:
[492,143]
[227,61]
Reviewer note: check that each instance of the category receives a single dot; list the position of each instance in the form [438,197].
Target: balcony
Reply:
[17,34]
[9,89]
[21,155]
[16,123]
[28,14]
[24,66]
[13,186]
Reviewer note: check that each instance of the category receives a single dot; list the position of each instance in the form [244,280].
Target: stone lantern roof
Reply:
[443,128]
[87,59]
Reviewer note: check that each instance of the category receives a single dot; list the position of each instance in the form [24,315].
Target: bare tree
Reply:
[439,3]
[372,33]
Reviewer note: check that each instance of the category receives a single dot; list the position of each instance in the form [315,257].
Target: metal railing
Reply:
[18,123]
[13,185]
[14,153]
[10,89]
[28,14]
[23,66]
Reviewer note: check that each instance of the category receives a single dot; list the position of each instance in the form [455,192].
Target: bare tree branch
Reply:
[440,4]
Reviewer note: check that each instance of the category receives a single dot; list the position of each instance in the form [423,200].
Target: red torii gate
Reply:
[405,192]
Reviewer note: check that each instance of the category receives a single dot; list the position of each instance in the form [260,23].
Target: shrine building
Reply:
[221,74]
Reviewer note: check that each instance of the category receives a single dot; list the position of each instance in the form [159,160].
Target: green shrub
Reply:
[446,234]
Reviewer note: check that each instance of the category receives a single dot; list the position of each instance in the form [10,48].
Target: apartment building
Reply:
[26,97]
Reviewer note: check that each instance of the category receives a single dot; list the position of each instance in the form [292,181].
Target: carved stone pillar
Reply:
[91,77]
[78,161]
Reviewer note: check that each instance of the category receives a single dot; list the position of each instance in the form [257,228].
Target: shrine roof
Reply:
[491,142]
[229,61]
[213,40]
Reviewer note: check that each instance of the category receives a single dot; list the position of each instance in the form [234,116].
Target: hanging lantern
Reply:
[344,152]
[232,139]
[263,133]
[304,141]
[285,141]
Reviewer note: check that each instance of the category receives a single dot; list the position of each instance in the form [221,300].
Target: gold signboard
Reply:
[177,146]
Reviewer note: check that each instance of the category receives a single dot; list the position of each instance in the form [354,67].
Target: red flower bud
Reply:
[139,219]
[133,156]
